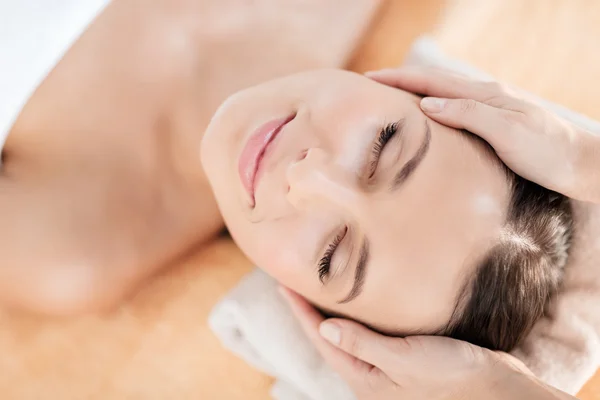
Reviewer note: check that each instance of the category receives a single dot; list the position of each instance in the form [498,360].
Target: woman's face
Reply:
[360,202]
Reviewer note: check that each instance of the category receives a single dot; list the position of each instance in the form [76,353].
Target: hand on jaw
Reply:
[378,367]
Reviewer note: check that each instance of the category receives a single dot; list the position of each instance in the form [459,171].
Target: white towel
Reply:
[254,321]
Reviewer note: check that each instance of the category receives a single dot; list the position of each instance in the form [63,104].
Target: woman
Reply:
[347,193]
[130,197]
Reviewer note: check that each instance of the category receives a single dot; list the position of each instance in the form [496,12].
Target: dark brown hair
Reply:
[514,283]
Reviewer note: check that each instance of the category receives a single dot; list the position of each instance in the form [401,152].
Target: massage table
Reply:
[157,344]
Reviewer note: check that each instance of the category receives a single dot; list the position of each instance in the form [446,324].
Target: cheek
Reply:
[265,245]
[215,156]
[282,249]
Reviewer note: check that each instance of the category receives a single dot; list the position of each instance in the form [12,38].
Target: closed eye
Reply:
[325,261]
[385,135]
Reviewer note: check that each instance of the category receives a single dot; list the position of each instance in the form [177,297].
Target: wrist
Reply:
[495,379]
[587,167]
[502,381]
[483,379]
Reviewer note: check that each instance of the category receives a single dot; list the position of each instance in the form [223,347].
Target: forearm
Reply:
[588,166]
[527,388]
[505,383]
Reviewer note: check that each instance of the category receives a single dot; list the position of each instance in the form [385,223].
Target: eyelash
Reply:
[386,134]
[325,261]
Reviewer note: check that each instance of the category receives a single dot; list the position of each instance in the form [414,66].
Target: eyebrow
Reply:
[360,273]
[409,168]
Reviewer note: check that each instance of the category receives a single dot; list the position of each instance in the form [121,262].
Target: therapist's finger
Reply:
[496,126]
[437,83]
[349,367]
[371,347]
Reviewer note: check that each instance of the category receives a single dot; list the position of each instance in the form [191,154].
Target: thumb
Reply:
[362,343]
[490,123]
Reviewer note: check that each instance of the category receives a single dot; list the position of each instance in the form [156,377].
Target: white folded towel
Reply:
[254,321]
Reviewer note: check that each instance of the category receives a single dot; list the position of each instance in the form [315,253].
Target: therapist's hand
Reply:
[530,140]
[383,368]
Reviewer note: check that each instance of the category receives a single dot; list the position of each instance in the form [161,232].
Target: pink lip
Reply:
[254,152]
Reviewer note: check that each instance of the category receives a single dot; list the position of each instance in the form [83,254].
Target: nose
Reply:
[315,180]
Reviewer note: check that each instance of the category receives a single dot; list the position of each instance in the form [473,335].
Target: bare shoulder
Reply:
[101,162]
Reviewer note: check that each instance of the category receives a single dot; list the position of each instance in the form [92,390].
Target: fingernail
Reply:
[331,332]
[433,104]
